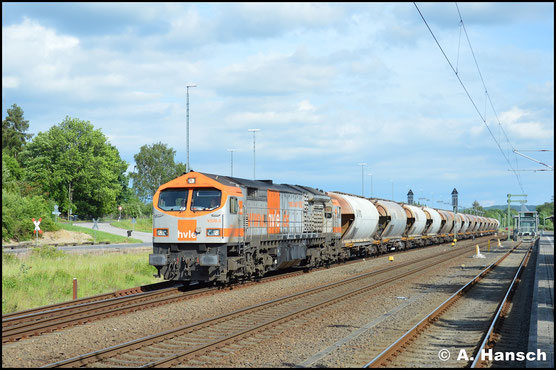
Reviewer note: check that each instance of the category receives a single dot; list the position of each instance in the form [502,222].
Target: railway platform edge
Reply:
[541,330]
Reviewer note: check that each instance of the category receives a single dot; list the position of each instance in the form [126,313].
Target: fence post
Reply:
[74,288]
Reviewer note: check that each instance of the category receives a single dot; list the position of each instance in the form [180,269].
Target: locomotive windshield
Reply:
[173,199]
[205,199]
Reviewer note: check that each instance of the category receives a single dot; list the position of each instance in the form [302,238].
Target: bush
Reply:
[47,251]
[136,208]
[18,212]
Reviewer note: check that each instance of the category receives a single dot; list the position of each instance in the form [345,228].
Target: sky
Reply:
[329,85]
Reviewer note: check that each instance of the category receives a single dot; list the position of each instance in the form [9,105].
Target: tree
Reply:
[477,206]
[546,211]
[154,167]
[76,166]
[13,131]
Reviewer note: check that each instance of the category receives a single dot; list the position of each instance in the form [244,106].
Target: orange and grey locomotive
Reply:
[223,229]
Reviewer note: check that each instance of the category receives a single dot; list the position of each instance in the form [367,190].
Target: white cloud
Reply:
[10,82]
[517,125]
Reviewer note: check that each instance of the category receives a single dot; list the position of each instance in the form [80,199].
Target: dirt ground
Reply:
[55,237]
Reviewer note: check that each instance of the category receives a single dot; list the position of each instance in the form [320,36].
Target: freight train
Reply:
[212,228]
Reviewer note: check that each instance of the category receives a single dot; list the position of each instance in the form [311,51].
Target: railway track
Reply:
[455,332]
[46,319]
[199,343]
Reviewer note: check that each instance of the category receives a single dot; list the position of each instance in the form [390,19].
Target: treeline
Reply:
[73,166]
[545,211]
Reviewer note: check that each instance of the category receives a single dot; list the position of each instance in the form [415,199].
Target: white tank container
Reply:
[398,219]
[448,225]
[436,220]
[457,223]
[420,220]
[475,223]
[363,213]
[467,223]
[464,223]
[483,223]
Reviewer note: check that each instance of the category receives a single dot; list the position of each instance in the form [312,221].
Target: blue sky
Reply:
[330,85]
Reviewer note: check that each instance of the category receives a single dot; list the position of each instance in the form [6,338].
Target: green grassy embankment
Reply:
[142,224]
[101,237]
[46,276]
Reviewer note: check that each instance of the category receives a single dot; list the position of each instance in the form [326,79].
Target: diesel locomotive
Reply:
[212,228]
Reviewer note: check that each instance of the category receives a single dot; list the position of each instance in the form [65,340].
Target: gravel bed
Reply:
[288,348]
[427,293]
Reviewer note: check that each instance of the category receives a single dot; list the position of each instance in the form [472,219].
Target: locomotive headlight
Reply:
[161,232]
[213,232]
[191,180]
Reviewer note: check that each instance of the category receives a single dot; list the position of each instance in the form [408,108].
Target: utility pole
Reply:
[231,161]
[187,132]
[522,201]
[362,180]
[253,130]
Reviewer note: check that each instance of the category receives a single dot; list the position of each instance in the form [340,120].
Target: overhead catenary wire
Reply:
[487,95]
[469,96]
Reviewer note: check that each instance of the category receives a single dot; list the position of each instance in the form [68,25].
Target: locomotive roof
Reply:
[264,185]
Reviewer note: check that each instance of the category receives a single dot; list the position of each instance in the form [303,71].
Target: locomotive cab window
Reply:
[205,199]
[173,199]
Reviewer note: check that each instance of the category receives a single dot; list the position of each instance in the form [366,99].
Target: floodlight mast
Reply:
[254,130]
[362,181]
[187,132]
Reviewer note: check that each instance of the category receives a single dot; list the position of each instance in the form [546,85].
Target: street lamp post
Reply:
[231,161]
[371,184]
[392,190]
[362,180]
[187,132]
[253,130]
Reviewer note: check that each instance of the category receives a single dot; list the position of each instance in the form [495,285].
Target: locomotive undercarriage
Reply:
[243,261]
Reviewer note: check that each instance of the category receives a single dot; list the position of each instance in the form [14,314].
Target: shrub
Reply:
[18,212]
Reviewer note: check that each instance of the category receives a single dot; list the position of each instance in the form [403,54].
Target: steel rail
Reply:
[184,330]
[382,358]
[502,307]
[49,318]
[53,307]
[92,311]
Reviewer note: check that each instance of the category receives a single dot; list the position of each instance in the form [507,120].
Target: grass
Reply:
[143,224]
[46,276]
[101,236]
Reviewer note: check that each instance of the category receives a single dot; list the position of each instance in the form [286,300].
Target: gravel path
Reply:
[289,348]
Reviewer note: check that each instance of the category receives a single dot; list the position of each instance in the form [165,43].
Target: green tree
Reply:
[14,129]
[154,167]
[76,166]
[545,211]
[11,172]
[477,206]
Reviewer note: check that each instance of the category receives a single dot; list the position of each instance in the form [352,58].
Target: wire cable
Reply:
[470,98]
[462,25]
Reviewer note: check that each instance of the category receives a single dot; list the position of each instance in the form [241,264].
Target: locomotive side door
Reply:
[235,222]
